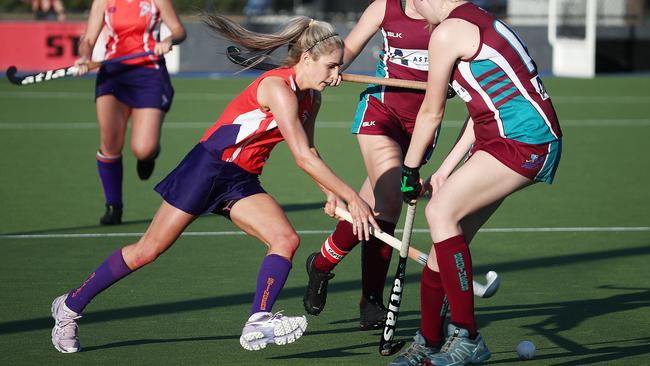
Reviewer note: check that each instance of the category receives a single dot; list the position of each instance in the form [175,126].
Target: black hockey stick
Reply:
[387,346]
[64,71]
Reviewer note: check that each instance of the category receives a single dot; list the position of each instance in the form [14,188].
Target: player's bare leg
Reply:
[481,183]
[260,216]
[166,226]
[145,138]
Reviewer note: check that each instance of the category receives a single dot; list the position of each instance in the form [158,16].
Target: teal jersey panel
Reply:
[547,173]
[491,78]
[481,67]
[523,123]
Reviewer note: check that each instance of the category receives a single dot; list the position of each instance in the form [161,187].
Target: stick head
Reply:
[492,284]
[249,60]
[391,348]
[11,75]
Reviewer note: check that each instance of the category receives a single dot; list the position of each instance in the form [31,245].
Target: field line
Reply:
[323,232]
[624,122]
[569,99]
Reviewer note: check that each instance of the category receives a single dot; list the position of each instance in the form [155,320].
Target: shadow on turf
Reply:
[343,286]
[559,316]
[594,354]
[287,208]
[140,342]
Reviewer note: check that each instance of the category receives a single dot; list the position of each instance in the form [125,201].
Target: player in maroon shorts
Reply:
[383,124]
[139,88]
[221,175]
[516,139]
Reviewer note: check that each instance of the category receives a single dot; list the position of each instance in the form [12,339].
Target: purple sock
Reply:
[110,173]
[110,271]
[270,280]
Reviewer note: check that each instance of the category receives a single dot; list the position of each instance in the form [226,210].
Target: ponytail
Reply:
[301,34]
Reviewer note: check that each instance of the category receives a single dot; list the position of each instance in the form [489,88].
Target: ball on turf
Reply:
[526,350]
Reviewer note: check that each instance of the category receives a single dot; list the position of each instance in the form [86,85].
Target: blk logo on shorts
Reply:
[368,124]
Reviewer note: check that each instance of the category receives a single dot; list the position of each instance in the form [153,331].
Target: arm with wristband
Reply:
[427,121]
[423,135]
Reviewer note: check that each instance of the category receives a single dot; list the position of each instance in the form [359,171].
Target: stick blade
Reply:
[391,348]
[11,75]
[233,50]
[248,60]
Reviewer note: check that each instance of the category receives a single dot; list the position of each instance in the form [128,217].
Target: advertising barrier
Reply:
[36,46]
[39,45]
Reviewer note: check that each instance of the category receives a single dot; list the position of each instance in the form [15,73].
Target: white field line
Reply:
[640,122]
[569,99]
[322,232]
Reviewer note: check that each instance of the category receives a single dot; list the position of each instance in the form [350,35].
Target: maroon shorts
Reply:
[374,118]
[537,162]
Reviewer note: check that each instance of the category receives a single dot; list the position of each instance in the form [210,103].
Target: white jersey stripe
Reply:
[516,44]
[501,61]
[465,70]
[147,33]
[111,34]
[546,159]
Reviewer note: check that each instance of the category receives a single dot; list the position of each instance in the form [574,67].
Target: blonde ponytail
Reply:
[300,34]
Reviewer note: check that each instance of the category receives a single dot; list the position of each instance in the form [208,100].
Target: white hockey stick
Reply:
[480,290]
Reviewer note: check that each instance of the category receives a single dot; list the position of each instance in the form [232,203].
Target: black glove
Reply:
[410,184]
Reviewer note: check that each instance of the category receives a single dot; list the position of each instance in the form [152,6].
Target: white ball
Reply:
[526,350]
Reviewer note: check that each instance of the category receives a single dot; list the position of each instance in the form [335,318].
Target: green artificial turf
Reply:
[577,287]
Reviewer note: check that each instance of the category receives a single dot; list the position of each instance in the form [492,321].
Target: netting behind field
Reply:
[571,18]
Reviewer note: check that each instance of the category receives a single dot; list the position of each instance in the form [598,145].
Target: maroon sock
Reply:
[336,247]
[455,265]
[375,260]
[432,296]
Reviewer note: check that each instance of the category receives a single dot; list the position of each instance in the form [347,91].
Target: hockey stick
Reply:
[235,56]
[64,71]
[387,346]
[480,290]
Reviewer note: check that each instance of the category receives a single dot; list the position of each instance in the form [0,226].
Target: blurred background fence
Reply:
[622,32]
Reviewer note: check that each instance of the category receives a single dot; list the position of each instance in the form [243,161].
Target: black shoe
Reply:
[145,167]
[316,291]
[112,216]
[372,313]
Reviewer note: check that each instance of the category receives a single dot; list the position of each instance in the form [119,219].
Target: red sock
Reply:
[336,247]
[375,260]
[432,296]
[455,265]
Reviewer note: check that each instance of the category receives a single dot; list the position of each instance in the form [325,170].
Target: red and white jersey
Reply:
[500,85]
[404,55]
[133,27]
[245,133]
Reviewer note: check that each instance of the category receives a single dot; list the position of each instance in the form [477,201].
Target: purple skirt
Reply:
[136,86]
[203,183]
